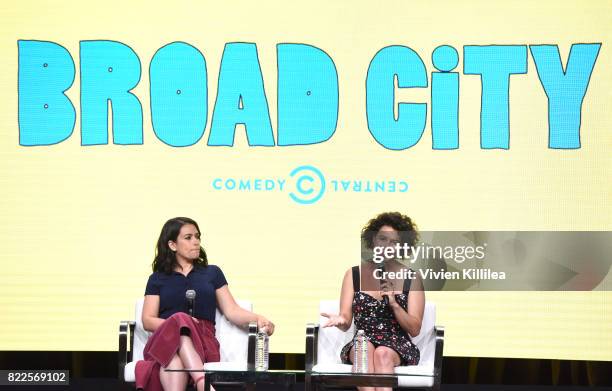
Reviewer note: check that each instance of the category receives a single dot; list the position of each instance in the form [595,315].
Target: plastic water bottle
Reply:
[360,351]
[262,356]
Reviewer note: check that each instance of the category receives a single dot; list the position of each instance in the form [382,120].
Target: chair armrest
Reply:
[251,346]
[439,335]
[312,343]
[124,355]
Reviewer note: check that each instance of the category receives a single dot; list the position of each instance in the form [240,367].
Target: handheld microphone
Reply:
[190,295]
[381,267]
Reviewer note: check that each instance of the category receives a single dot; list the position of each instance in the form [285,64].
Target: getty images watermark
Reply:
[307,185]
[423,252]
[492,261]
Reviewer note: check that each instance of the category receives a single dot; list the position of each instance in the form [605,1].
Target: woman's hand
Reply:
[265,324]
[391,296]
[334,320]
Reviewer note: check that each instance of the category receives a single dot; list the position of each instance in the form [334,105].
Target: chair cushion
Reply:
[225,366]
[129,372]
[233,340]
[333,368]
[140,334]
[415,381]
[421,370]
[426,340]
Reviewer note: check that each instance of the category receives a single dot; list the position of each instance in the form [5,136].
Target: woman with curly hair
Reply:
[388,309]
[180,341]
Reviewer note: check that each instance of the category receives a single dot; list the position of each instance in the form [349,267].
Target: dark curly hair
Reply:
[165,259]
[403,224]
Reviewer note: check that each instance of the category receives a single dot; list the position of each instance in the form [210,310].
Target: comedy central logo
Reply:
[306,185]
[309,185]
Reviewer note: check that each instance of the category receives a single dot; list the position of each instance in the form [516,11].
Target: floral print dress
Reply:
[376,319]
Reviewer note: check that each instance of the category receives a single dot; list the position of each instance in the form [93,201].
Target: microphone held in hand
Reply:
[383,282]
[190,295]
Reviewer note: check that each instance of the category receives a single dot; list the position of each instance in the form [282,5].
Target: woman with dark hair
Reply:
[180,341]
[388,315]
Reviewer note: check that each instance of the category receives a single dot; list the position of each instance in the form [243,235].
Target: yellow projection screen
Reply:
[282,128]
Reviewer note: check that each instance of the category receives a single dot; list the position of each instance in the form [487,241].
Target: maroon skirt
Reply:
[165,342]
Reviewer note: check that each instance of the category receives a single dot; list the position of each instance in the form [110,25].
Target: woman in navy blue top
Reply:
[179,340]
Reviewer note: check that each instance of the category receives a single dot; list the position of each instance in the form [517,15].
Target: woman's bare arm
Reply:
[238,315]
[411,319]
[345,317]
[150,313]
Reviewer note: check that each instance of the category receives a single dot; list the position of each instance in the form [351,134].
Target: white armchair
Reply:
[237,346]
[323,345]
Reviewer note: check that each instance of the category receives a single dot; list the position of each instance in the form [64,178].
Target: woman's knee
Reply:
[175,363]
[186,341]
[384,356]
